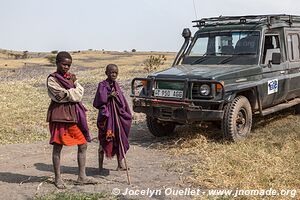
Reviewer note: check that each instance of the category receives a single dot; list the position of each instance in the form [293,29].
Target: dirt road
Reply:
[26,169]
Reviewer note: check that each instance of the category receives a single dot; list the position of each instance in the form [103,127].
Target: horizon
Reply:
[143,25]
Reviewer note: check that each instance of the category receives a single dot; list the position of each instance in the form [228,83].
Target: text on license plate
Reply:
[168,93]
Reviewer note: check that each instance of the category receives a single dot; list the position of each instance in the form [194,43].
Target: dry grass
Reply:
[76,196]
[270,158]
[23,110]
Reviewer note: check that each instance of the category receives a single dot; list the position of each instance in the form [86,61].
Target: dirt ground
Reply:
[26,169]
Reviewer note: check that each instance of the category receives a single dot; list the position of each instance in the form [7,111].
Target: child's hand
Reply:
[113,94]
[73,78]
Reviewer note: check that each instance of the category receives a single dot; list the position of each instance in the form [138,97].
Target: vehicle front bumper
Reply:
[180,113]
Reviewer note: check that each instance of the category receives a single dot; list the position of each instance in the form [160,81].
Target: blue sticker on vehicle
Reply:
[272,86]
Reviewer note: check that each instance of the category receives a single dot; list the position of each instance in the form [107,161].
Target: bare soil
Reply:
[26,169]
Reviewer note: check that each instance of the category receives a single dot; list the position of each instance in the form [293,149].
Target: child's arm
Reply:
[101,96]
[62,95]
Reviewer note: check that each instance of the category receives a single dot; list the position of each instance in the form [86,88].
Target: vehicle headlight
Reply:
[205,90]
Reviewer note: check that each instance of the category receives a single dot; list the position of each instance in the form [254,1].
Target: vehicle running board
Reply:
[280,107]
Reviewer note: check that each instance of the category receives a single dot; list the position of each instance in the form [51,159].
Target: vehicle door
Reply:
[293,56]
[275,85]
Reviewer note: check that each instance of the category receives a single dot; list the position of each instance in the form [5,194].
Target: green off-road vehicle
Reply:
[233,67]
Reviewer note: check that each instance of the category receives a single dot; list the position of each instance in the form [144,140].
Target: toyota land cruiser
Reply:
[233,67]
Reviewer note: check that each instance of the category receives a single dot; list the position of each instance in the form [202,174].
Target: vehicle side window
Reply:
[271,45]
[293,46]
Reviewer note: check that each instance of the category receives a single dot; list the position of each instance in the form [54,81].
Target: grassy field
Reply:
[270,158]
[24,96]
[76,196]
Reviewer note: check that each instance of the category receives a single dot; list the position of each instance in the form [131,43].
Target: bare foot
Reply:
[122,168]
[86,181]
[60,184]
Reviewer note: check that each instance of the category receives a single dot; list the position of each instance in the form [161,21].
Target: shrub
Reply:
[153,62]
[25,54]
[54,52]
[51,59]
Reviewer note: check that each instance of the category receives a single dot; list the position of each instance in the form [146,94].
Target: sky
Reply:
[117,25]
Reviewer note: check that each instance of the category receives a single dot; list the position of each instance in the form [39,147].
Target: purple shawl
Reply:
[80,109]
[107,119]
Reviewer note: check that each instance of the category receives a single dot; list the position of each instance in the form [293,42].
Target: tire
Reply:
[237,120]
[160,129]
[297,109]
[216,124]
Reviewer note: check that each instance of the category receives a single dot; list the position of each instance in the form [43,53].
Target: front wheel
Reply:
[297,109]
[158,128]
[237,120]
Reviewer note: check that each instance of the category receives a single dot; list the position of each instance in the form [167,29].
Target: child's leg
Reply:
[81,159]
[120,164]
[56,165]
[100,157]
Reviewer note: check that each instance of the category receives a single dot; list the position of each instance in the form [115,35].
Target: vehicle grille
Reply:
[169,85]
[196,91]
[166,112]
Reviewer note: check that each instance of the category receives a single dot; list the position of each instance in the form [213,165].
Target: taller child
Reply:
[66,117]
[108,98]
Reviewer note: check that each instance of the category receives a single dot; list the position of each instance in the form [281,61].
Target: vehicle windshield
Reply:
[235,47]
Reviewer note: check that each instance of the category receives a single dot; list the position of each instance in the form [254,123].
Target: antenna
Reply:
[195,9]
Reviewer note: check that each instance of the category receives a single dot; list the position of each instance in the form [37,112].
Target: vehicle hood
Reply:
[206,72]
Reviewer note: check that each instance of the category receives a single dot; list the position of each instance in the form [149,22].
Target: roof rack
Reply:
[247,19]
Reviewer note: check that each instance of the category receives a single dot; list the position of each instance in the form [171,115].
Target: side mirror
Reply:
[186,33]
[276,58]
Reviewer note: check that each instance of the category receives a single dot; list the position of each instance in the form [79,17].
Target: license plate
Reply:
[168,93]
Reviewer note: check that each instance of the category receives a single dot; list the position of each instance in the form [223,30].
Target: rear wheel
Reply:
[158,128]
[237,120]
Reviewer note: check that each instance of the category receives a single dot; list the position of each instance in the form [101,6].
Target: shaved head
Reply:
[112,72]
[109,66]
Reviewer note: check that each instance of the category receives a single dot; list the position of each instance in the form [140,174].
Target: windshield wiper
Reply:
[201,59]
[226,60]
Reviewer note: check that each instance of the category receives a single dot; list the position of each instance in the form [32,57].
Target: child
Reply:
[113,112]
[67,118]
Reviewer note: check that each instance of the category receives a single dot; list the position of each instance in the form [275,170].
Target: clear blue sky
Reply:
[145,25]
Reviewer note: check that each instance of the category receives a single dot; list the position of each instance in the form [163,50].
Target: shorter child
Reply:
[114,118]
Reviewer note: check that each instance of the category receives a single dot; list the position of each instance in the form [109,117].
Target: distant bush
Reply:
[133,50]
[54,52]
[16,55]
[153,62]
[25,54]
[51,59]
